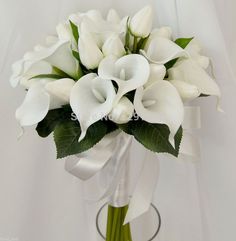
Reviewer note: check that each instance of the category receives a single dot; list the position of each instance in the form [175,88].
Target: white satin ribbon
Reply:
[109,159]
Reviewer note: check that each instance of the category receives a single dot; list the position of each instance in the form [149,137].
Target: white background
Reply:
[39,201]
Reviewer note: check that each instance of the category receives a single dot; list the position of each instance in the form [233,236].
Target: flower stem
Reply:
[116,231]
[135,46]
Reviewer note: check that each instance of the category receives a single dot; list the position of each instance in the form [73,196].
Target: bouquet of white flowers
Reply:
[97,76]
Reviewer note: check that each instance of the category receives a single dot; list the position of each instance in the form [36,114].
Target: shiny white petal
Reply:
[41,67]
[90,54]
[141,23]
[17,69]
[157,72]
[186,91]
[113,16]
[59,55]
[194,49]
[91,99]
[113,46]
[61,89]
[122,112]
[129,72]
[190,72]
[160,103]
[164,32]
[162,50]
[64,32]
[34,107]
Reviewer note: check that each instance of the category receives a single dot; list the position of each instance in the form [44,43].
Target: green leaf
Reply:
[66,136]
[142,42]
[61,73]
[76,55]
[75,31]
[183,43]
[52,119]
[178,139]
[43,76]
[154,137]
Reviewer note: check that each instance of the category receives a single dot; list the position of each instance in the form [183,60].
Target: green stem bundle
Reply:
[116,231]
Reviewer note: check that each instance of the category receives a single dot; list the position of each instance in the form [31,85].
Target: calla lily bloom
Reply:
[113,17]
[157,72]
[160,103]
[123,111]
[141,23]
[194,50]
[129,72]
[186,91]
[24,78]
[113,46]
[58,54]
[189,71]
[91,99]
[90,54]
[161,50]
[43,95]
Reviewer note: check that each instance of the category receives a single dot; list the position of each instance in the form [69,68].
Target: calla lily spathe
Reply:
[43,95]
[129,72]
[123,111]
[113,46]
[186,91]
[161,50]
[194,50]
[90,54]
[42,59]
[113,16]
[91,99]
[157,72]
[141,23]
[160,103]
[189,71]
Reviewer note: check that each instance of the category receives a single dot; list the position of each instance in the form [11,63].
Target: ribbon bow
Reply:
[108,161]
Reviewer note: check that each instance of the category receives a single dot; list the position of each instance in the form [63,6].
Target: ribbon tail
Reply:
[143,193]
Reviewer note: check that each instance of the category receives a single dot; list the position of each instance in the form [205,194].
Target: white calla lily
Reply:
[91,99]
[194,49]
[113,17]
[100,30]
[160,103]
[141,23]
[113,46]
[161,50]
[129,72]
[186,91]
[43,95]
[24,77]
[60,88]
[90,54]
[35,105]
[164,32]
[157,72]
[123,111]
[64,32]
[58,55]
[191,72]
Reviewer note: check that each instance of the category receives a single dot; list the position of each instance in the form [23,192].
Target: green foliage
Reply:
[75,31]
[46,76]
[66,136]
[154,137]
[52,119]
[183,42]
